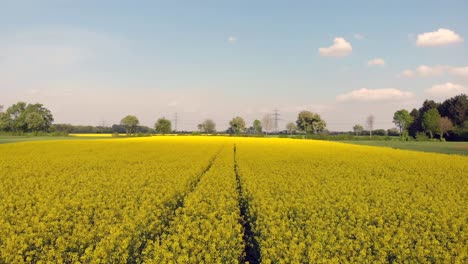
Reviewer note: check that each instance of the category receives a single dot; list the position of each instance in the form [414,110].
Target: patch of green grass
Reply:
[14,139]
[460,148]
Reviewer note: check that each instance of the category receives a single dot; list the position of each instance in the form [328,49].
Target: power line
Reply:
[276,118]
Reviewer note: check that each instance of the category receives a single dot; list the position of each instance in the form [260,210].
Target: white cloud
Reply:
[340,48]
[358,36]
[459,71]
[232,39]
[370,95]
[376,62]
[437,70]
[428,71]
[446,90]
[440,37]
[408,73]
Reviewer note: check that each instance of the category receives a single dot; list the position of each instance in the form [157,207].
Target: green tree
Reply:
[291,127]
[402,119]
[208,126]
[237,125]
[431,121]
[455,108]
[163,126]
[416,125]
[257,126]
[22,117]
[311,123]
[36,122]
[358,129]
[130,123]
[5,122]
[38,118]
[17,117]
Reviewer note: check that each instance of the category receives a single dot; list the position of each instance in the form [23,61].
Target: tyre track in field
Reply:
[252,248]
[136,254]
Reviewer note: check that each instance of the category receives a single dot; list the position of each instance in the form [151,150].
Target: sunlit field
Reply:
[94,135]
[229,200]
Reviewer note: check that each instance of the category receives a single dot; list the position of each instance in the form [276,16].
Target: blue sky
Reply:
[92,61]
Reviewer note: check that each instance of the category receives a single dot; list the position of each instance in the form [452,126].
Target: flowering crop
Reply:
[195,199]
[320,201]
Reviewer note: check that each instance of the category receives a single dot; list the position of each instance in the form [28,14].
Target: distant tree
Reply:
[267,123]
[119,129]
[357,129]
[393,132]
[444,125]
[257,126]
[402,119]
[17,117]
[163,126]
[38,118]
[22,117]
[5,122]
[380,132]
[130,123]
[416,125]
[427,105]
[35,122]
[311,123]
[431,121]
[370,124]
[145,129]
[208,126]
[291,128]
[455,108]
[237,125]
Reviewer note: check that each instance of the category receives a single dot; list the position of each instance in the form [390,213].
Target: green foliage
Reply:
[456,109]
[421,136]
[357,129]
[163,126]
[430,121]
[310,123]
[380,132]
[291,128]
[402,119]
[257,126]
[22,118]
[237,125]
[131,124]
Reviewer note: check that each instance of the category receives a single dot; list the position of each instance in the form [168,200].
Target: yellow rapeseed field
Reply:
[94,135]
[229,200]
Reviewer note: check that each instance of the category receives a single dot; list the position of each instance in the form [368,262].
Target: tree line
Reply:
[23,117]
[446,120]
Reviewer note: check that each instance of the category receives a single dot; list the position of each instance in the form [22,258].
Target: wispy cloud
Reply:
[376,62]
[232,39]
[371,95]
[437,70]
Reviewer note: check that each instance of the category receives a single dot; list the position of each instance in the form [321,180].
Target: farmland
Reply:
[229,200]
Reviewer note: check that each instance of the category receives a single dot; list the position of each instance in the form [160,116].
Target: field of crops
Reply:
[229,200]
